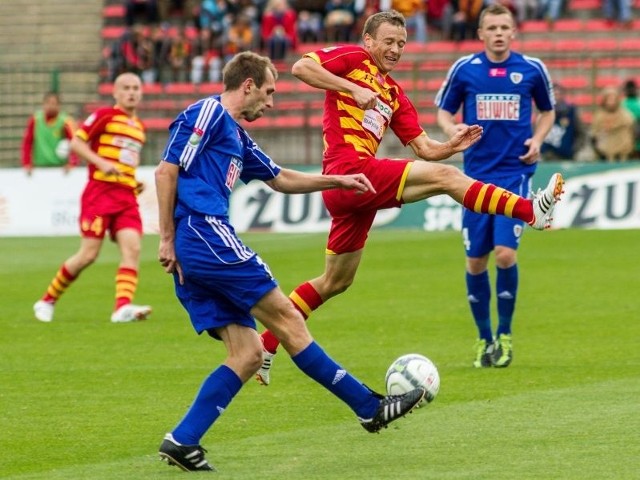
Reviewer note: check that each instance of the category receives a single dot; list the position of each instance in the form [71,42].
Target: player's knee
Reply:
[253,359]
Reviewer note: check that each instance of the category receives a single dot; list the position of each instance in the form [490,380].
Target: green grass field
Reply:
[82,398]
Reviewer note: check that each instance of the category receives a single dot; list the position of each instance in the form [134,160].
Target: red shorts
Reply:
[352,214]
[108,207]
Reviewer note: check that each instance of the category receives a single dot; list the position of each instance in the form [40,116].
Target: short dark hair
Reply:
[247,65]
[389,16]
[494,9]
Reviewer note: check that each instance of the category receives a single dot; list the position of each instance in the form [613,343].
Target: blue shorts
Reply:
[223,278]
[481,233]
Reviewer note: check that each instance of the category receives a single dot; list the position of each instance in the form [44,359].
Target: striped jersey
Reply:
[350,131]
[213,151]
[117,137]
[499,97]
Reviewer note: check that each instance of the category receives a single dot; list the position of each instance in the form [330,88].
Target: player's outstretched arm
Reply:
[429,149]
[292,181]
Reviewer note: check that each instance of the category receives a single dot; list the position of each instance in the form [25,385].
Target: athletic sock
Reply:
[126,285]
[507,289]
[479,297]
[60,283]
[214,396]
[487,198]
[305,299]
[315,363]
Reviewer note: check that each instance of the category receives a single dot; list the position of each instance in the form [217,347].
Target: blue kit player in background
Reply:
[222,283]
[496,89]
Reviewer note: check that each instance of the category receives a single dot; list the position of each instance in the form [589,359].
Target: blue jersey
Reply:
[499,97]
[213,152]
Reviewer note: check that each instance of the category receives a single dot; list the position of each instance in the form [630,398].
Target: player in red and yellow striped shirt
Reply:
[361,102]
[110,140]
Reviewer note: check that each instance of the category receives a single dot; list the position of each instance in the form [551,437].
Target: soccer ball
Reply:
[412,371]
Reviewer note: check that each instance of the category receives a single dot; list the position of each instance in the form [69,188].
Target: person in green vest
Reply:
[46,139]
[632,103]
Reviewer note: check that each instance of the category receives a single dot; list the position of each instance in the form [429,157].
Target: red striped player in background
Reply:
[110,141]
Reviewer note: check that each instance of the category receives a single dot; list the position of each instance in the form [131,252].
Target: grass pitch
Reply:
[82,398]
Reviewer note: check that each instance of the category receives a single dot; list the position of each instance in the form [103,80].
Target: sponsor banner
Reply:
[597,196]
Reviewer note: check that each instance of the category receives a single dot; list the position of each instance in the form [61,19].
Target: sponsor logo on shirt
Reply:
[195,137]
[498,106]
[235,168]
[497,72]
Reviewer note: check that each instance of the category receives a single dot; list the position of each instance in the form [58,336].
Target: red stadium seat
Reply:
[157,124]
[537,45]
[602,44]
[584,5]
[116,11]
[574,83]
[533,26]
[568,25]
[598,25]
[603,81]
[569,45]
[179,88]
[630,43]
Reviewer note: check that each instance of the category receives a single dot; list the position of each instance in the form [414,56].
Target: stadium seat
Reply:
[157,124]
[574,83]
[598,25]
[536,46]
[568,25]
[569,45]
[152,89]
[212,88]
[584,5]
[180,88]
[603,81]
[630,43]
[116,11]
[601,44]
[533,26]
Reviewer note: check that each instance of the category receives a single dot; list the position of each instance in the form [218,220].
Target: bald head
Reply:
[127,91]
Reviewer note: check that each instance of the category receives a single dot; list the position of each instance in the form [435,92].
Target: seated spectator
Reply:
[414,12]
[212,17]
[183,11]
[464,24]
[612,127]
[129,51]
[567,135]
[279,34]
[364,9]
[439,16]
[206,58]
[617,10]
[180,57]
[339,21]
[147,10]
[239,37]
[160,49]
[550,10]
[632,103]
[310,19]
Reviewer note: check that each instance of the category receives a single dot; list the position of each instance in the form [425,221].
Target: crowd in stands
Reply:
[169,41]
[190,40]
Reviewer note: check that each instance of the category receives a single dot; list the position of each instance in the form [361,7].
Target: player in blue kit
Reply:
[496,89]
[221,282]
